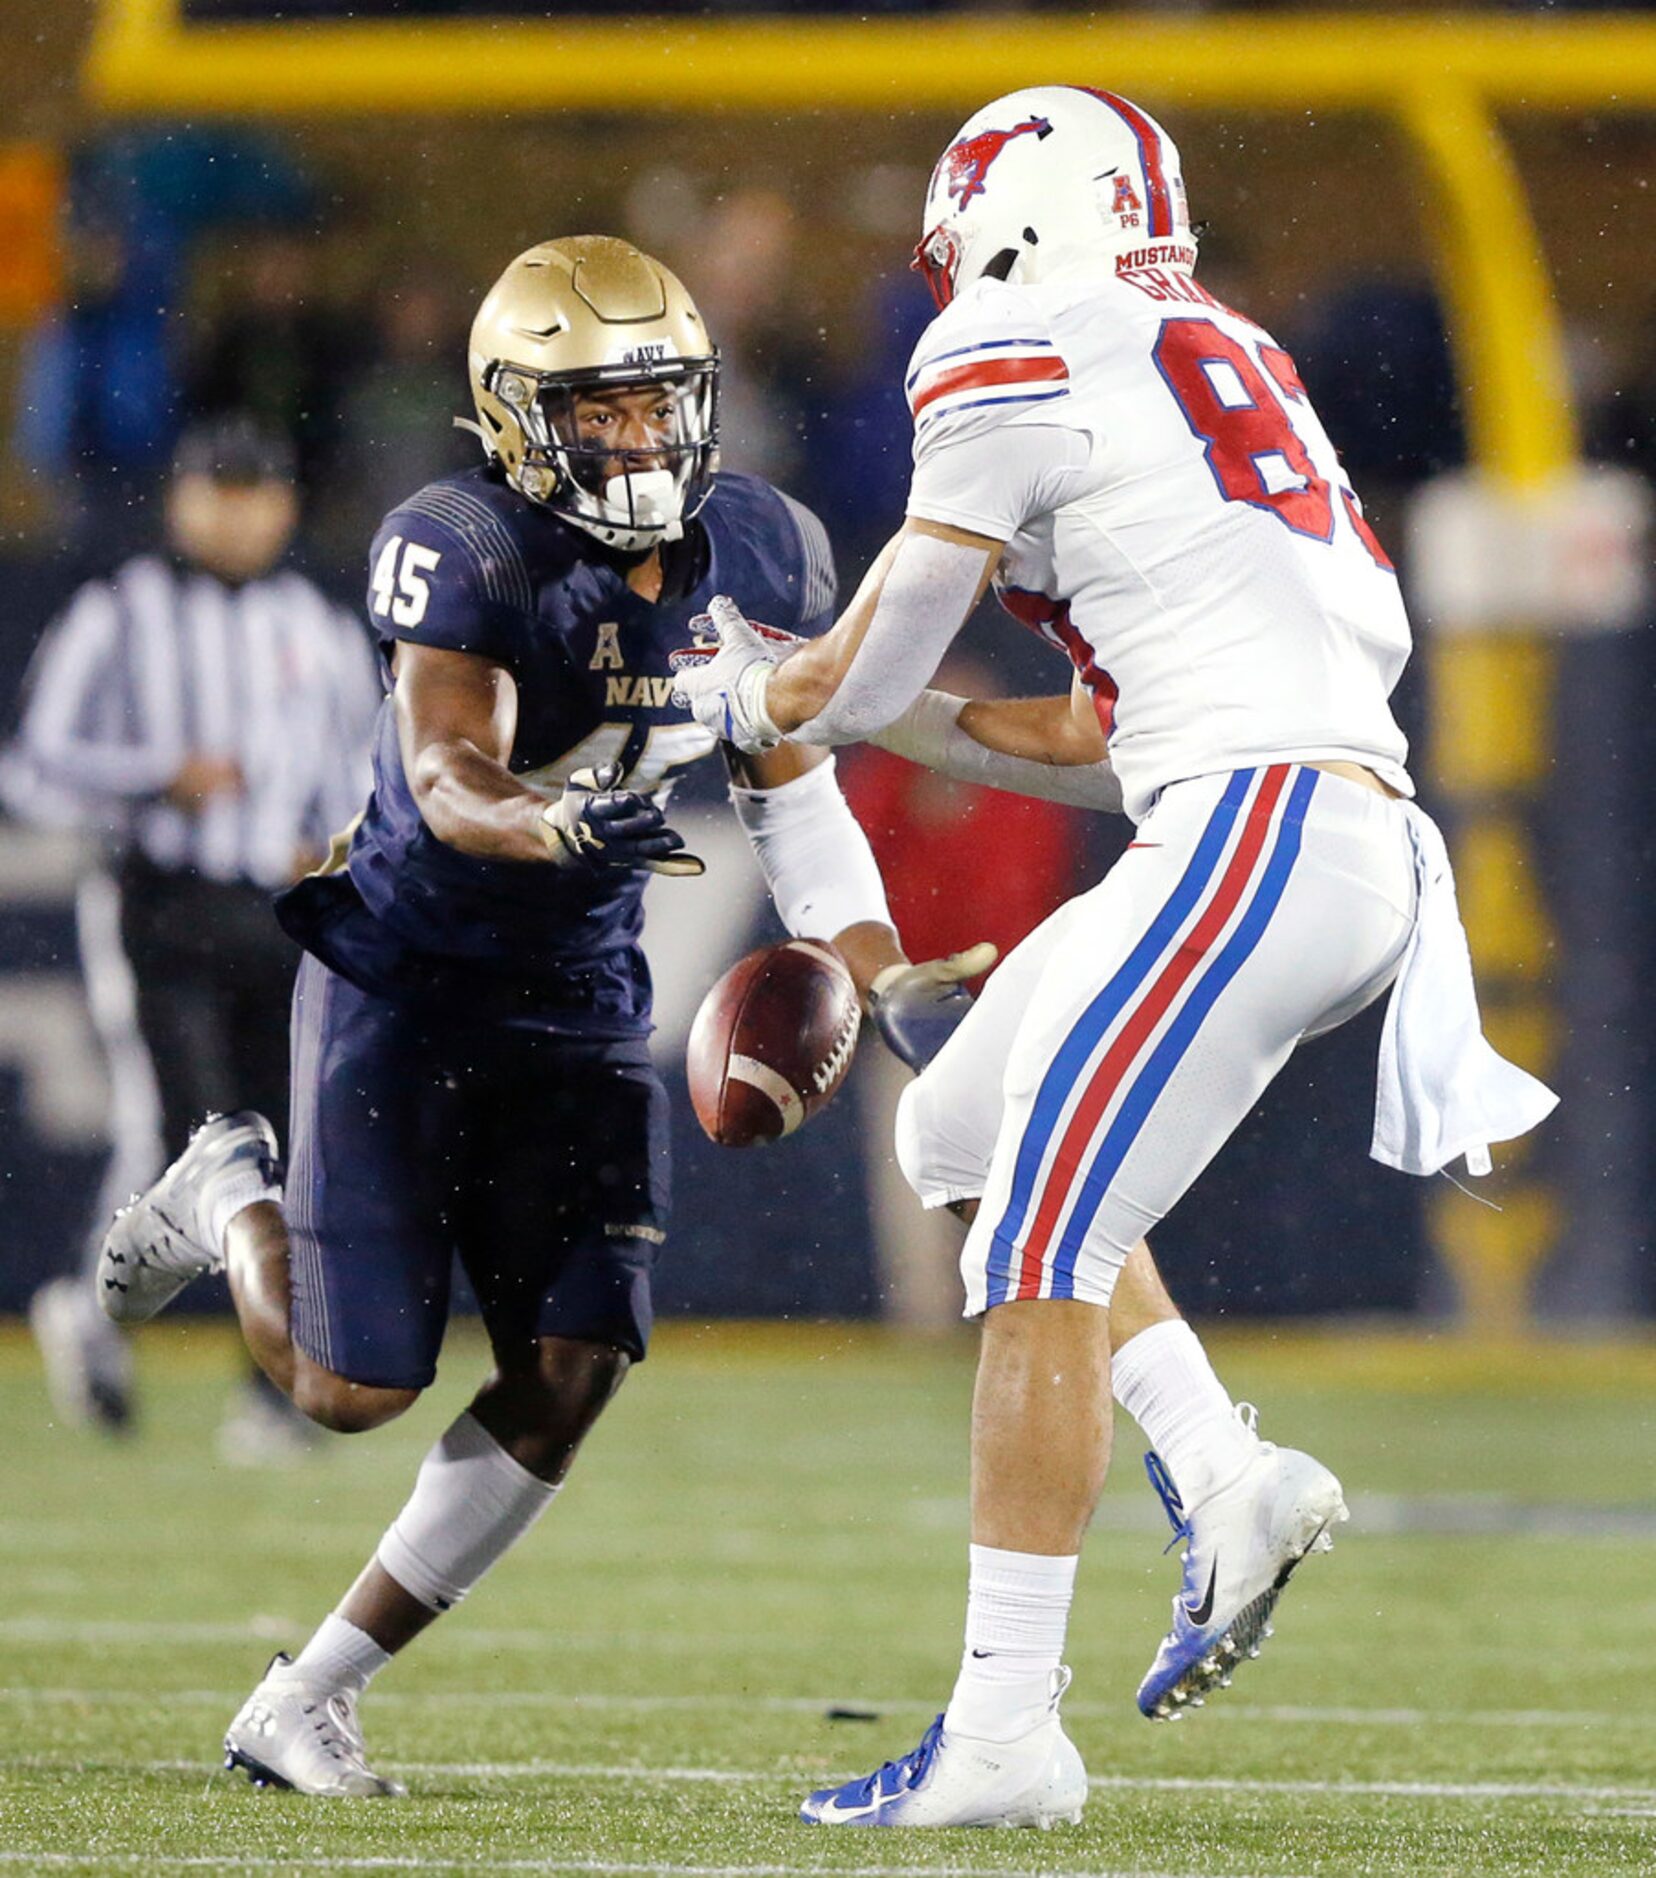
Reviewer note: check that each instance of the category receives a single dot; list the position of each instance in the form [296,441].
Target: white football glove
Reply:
[723,684]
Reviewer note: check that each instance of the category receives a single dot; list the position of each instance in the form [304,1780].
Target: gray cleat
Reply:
[160,1240]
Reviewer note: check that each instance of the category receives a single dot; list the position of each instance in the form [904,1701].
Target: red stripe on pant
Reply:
[1142,1021]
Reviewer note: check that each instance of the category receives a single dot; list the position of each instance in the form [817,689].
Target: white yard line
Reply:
[485,1698]
[878,1706]
[267,1628]
[1111,1783]
[1383,1789]
[1458,1514]
[1400,1717]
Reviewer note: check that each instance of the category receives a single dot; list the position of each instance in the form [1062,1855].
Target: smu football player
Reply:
[1139,470]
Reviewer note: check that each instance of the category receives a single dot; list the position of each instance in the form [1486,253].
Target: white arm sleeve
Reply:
[928,592]
[929,733]
[813,853]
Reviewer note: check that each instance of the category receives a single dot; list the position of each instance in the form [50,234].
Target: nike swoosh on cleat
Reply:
[983,1653]
[1203,1611]
[833,1814]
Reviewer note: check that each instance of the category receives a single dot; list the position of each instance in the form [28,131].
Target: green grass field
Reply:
[770,1525]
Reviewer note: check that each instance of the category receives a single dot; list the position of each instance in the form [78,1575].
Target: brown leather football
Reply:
[772,1042]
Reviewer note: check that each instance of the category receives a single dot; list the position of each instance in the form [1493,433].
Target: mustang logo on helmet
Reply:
[967,162]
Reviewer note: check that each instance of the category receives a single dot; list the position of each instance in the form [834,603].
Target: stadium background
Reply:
[210,198]
[752,1582]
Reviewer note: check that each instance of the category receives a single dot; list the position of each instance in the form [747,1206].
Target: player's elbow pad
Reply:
[814,855]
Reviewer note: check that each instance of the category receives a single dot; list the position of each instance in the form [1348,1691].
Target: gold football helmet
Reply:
[585,315]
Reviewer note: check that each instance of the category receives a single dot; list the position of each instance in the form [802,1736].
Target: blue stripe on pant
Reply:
[1181,1033]
[1096,1020]
[420,1134]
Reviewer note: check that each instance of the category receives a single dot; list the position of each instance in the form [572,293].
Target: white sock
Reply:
[1017,1610]
[239,1188]
[340,1656]
[1163,1379]
[470,1505]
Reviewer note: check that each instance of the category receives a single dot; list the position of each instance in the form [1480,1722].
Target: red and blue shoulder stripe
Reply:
[991,371]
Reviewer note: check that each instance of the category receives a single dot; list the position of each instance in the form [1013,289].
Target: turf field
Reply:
[754,1582]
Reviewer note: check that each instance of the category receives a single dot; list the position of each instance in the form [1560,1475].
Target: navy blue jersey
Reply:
[470,565]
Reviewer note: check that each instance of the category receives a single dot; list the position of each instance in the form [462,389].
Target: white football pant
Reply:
[1116,1049]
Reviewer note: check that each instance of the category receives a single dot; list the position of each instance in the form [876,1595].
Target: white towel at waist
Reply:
[1442,1089]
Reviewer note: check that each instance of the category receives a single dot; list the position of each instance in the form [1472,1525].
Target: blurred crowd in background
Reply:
[209,271]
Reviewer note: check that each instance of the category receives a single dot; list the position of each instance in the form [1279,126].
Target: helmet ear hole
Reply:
[1001,265]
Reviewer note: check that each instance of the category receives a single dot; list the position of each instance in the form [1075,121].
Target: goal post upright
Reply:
[1489,747]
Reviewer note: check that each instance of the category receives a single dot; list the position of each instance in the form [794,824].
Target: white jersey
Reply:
[1194,545]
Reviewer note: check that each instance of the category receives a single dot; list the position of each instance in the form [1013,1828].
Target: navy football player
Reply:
[471,1072]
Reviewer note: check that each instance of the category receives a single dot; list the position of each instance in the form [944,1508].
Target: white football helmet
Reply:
[1045,176]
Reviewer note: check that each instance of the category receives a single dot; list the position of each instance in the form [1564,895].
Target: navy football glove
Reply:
[595,825]
[918,1008]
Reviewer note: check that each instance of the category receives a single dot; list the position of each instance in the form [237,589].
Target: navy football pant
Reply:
[541,1161]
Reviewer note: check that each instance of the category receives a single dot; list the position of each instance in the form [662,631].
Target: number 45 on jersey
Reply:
[400,588]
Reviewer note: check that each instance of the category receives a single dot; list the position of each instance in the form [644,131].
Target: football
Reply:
[771,1042]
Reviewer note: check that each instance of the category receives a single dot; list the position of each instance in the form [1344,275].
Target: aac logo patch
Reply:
[606,654]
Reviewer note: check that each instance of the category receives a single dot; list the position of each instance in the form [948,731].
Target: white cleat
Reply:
[957,1780]
[160,1240]
[294,1735]
[1242,1544]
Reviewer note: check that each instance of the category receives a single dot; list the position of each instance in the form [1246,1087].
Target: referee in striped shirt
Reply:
[206,711]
